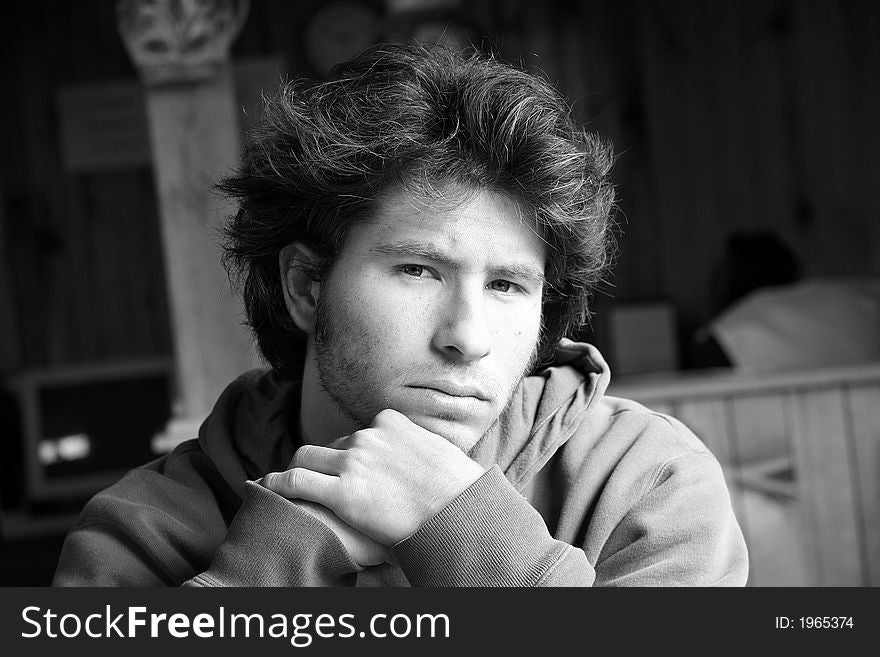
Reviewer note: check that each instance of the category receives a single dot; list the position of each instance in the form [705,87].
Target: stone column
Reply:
[181,50]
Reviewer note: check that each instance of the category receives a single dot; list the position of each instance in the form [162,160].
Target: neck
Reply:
[320,419]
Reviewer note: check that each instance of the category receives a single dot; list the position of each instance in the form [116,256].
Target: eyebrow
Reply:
[429,252]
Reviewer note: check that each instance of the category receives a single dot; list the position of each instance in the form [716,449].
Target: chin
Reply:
[461,435]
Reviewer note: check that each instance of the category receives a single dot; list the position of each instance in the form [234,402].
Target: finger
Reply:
[389,418]
[325,460]
[303,484]
[339,443]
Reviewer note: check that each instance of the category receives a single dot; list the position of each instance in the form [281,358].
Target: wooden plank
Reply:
[864,409]
[726,382]
[574,57]
[768,521]
[9,353]
[660,406]
[774,533]
[767,503]
[767,116]
[760,427]
[843,244]
[146,322]
[708,419]
[694,132]
[89,295]
[865,27]
[824,481]
[772,523]
[733,162]
[35,288]
[661,63]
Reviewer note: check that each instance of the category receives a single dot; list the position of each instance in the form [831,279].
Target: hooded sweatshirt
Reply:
[579,489]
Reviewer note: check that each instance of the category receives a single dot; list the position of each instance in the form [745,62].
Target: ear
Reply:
[297,262]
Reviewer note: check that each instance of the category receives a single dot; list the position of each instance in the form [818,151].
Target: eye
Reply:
[502,286]
[415,271]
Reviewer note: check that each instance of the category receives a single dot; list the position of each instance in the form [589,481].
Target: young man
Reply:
[415,238]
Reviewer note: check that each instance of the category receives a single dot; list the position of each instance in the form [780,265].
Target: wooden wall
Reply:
[81,264]
[726,116]
[80,252]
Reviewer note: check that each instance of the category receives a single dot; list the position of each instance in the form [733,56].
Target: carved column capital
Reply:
[179,41]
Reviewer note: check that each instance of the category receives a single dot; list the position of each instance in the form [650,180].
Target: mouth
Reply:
[451,389]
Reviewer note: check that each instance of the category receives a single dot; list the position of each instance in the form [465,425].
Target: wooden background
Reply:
[726,116]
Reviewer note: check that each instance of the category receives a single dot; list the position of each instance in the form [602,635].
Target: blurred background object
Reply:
[747,172]
[811,324]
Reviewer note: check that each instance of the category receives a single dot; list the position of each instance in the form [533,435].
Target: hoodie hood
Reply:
[544,412]
[252,429]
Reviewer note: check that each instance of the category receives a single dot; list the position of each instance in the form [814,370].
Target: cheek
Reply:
[516,340]
[522,326]
[387,321]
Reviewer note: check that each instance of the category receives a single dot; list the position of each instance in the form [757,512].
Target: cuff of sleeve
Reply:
[273,542]
[487,536]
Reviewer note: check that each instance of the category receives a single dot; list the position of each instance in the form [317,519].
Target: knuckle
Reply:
[294,479]
[357,458]
[299,455]
[387,416]
[362,438]
[347,459]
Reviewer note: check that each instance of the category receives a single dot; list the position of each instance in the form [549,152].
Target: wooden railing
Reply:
[801,452]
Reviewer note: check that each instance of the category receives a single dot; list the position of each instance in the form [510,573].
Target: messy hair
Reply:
[424,118]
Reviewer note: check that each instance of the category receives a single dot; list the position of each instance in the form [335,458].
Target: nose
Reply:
[463,330]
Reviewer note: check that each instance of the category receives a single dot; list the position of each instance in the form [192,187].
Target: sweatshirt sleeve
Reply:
[269,542]
[681,532]
[490,536]
[274,542]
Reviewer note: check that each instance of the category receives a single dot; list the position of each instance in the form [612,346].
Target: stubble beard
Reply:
[343,378]
[347,377]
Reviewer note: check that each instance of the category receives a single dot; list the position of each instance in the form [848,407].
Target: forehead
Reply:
[468,223]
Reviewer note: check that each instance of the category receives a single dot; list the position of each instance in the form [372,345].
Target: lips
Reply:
[454,389]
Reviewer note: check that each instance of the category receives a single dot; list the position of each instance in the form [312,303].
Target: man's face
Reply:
[434,312]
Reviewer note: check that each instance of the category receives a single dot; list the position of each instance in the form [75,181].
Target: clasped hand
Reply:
[383,482]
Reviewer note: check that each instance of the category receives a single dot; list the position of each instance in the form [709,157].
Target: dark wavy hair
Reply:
[422,117]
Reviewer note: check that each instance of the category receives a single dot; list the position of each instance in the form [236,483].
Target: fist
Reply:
[385,481]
